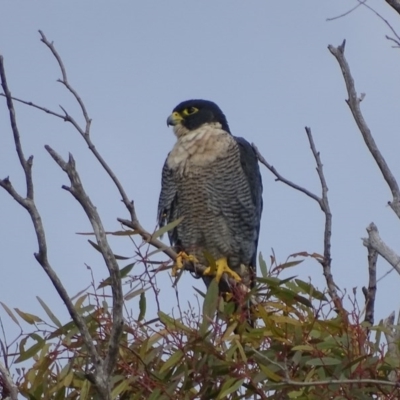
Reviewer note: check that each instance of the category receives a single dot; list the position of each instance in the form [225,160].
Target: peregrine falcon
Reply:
[211,179]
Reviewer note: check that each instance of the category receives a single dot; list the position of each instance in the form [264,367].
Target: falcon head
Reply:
[192,114]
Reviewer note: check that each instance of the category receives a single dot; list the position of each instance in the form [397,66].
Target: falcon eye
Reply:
[190,110]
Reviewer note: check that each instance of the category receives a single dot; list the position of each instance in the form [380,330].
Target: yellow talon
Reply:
[180,259]
[220,267]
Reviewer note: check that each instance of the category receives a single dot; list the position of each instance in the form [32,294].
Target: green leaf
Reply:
[172,361]
[289,264]
[172,323]
[302,347]
[202,294]
[209,306]
[310,289]
[133,293]
[33,350]
[84,392]
[81,292]
[142,306]
[166,228]
[10,314]
[128,232]
[230,389]
[124,384]
[49,313]
[155,395]
[123,272]
[269,373]
[263,266]
[323,361]
[98,248]
[29,318]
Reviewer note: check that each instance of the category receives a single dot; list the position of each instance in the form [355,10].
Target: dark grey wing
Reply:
[168,203]
[251,169]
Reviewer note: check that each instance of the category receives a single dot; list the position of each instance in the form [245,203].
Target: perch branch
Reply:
[375,242]
[324,205]
[354,104]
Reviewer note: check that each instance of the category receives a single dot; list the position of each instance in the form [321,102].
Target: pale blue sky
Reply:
[267,66]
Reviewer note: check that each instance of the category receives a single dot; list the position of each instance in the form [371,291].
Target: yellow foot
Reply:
[220,267]
[180,259]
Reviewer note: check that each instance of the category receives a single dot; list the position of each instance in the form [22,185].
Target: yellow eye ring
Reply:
[190,111]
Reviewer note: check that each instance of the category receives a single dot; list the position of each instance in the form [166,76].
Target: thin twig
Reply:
[280,178]
[370,293]
[354,104]
[363,3]
[347,12]
[85,132]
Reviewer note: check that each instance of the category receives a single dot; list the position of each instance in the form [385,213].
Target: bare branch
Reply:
[29,204]
[280,178]
[64,80]
[375,242]
[393,40]
[324,205]
[29,103]
[9,385]
[84,132]
[370,293]
[354,104]
[80,195]
[25,163]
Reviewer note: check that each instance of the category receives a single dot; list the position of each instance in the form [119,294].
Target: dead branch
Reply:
[77,190]
[29,204]
[84,132]
[324,205]
[354,104]
[375,242]
[10,390]
[370,293]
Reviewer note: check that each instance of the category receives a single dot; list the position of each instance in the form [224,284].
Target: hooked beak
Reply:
[174,119]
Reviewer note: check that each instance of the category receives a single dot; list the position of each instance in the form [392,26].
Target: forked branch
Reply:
[323,202]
